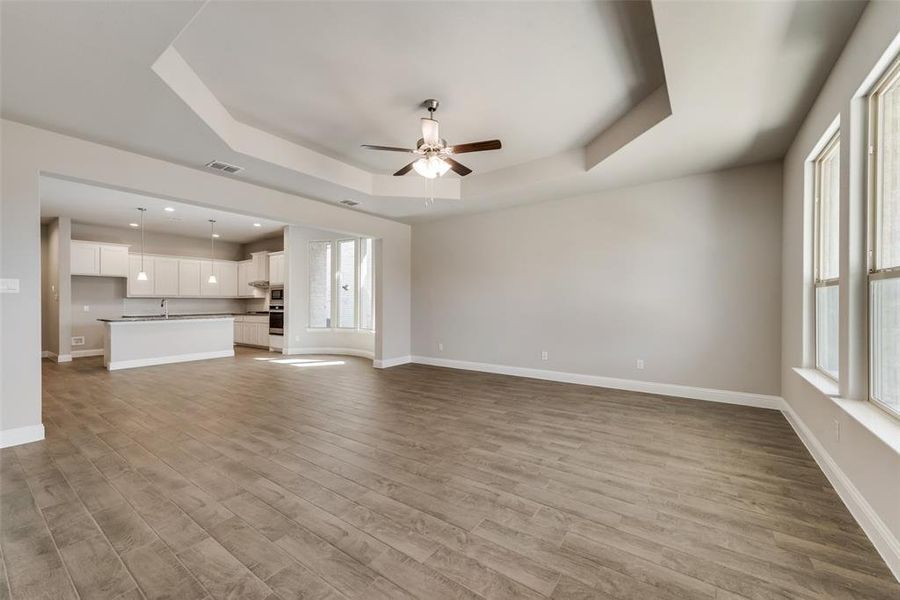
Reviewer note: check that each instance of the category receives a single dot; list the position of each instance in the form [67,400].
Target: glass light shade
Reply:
[141,276]
[430,167]
[431,132]
[212,279]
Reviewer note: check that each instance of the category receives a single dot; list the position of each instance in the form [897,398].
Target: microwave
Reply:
[276,295]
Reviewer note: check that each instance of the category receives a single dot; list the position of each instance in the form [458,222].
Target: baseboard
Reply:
[21,435]
[165,360]
[330,350]
[391,362]
[632,385]
[84,353]
[61,358]
[887,545]
[47,354]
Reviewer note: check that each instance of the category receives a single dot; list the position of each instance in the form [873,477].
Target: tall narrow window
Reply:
[366,295]
[320,284]
[884,242]
[826,188]
[346,281]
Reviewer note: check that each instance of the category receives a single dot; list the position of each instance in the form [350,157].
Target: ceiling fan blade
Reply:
[460,169]
[404,170]
[475,147]
[388,148]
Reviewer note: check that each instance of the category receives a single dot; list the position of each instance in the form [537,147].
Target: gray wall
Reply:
[157,243]
[684,274]
[867,462]
[56,287]
[269,244]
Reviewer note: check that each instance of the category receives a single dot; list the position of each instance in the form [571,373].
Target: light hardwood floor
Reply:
[257,478]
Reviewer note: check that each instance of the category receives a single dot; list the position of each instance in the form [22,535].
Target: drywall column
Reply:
[20,313]
[63,292]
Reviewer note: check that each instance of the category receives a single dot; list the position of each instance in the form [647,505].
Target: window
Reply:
[346,282]
[826,191]
[320,284]
[341,284]
[884,241]
[366,292]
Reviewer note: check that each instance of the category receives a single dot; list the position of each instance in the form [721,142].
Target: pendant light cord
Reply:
[142,237]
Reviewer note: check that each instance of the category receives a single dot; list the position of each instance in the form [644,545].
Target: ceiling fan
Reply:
[435,155]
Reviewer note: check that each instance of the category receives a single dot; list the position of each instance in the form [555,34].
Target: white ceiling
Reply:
[739,75]
[334,75]
[103,206]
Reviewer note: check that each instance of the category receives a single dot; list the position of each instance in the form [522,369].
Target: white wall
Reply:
[867,464]
[298,338]
[684,274]
[26,152]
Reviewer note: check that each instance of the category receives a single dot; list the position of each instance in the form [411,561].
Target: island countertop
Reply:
[179,317]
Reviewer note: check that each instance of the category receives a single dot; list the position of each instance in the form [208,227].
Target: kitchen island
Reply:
[142,341]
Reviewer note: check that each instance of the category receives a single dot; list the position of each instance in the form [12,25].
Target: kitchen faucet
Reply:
[165,305]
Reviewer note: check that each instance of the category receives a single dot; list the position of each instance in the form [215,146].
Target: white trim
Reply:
[48,354]
[647,387]
[21,435]
[61,358]
[84,353]
[392,362]
[164,360]
[330,350]
[887,545]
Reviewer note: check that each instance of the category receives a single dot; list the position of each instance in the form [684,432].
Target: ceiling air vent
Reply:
[225,167]
[349,202]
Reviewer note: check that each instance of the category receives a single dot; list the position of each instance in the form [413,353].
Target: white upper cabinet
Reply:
[188,277]
[85,258]
[227,274]
[276,268]
[243,280]
[166,277]
[259,266]
[95,258]
[207,288]
[113,261]
[136,287]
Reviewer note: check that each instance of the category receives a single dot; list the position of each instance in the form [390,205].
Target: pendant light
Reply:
[142,274]
[212,253]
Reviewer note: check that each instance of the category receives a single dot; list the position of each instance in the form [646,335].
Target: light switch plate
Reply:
[9,286]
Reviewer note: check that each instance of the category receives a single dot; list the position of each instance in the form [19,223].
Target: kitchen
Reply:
[144,281]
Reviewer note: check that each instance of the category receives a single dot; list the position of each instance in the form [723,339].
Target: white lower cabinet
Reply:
[251,330]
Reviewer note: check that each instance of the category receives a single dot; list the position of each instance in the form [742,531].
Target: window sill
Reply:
[338,330]
[820,381]
[878,422]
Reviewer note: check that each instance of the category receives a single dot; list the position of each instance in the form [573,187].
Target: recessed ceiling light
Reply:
[215,235]
[257,224]
[133,225]
[169,209]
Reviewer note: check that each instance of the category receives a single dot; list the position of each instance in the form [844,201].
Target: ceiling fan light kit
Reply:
[435,154]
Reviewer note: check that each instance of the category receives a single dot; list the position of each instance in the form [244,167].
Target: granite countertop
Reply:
[133,318]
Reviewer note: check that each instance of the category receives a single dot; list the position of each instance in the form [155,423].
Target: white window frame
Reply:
[335,286]
[830,146]
[359,281]
[890,78]
[309,325]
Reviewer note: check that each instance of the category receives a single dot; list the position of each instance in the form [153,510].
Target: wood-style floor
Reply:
[255,478]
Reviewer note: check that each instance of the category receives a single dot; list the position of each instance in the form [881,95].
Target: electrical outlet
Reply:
[78,340]
[86,308]
[640,364]
[837,430]
[545,355]
[440,346]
